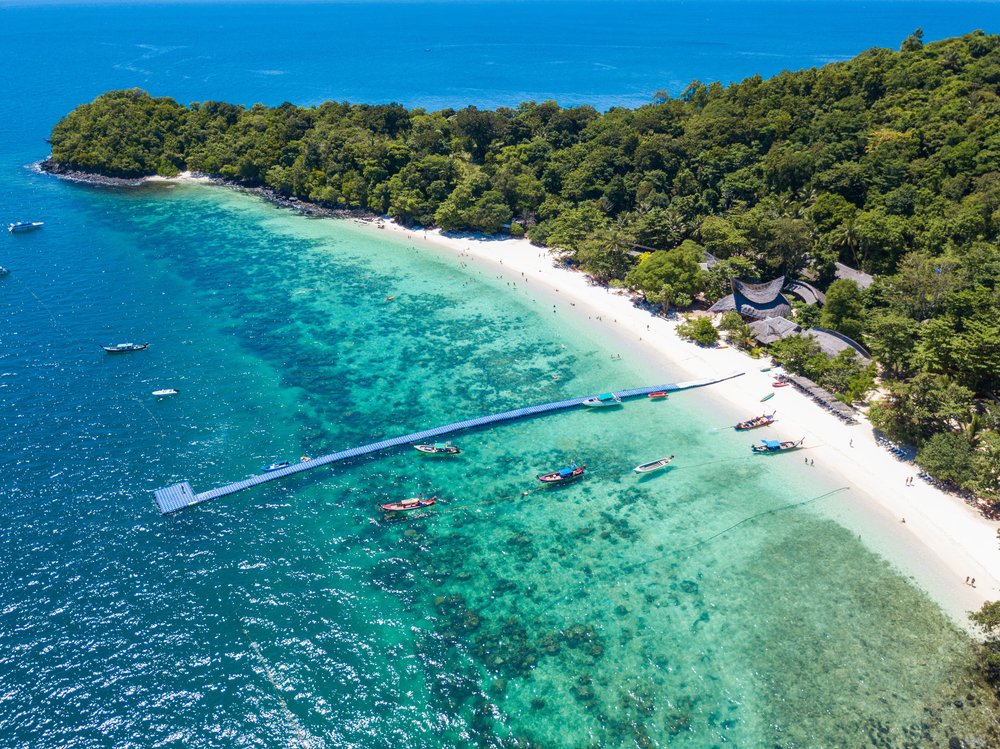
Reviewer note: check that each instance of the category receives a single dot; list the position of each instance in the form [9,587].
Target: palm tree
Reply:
[846,235]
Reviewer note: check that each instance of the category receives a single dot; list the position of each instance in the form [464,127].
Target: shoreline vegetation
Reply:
[889,163]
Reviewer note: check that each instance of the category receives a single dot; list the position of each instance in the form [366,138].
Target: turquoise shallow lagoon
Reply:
[716,604]
[710,604]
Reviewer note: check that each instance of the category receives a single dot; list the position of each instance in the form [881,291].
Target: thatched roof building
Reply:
[756,300]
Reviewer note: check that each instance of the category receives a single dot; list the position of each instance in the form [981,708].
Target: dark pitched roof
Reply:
[833,342]
[847,273]
[774,329]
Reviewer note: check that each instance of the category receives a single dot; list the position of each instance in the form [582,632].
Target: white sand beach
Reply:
[934,537]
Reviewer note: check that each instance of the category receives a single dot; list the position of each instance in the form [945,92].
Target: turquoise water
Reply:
[701,605]
[713,604]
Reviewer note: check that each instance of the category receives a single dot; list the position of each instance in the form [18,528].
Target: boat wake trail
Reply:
[301,737]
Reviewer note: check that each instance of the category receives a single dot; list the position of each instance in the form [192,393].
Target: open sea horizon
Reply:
[710,605]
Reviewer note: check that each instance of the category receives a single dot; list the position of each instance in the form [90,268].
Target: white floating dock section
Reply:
[178,496]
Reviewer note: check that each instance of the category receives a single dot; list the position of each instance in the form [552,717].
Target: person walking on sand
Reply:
[852,443]
[966,579]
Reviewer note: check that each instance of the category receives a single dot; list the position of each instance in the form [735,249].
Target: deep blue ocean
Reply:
[620,612]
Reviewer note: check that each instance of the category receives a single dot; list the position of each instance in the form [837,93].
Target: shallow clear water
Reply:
[709,604]
[706,603]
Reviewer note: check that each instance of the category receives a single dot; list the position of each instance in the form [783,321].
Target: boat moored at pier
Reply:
[605,400]
[439,448]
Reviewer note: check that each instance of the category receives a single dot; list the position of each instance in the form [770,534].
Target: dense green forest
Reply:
[889,162]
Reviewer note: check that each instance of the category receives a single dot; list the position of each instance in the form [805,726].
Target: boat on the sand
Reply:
[563,475]
[774,446]
[439,448]
[121,348]
[756,422]
[767,397]
[413,503]
[780,384]
[603,401]
[653,465]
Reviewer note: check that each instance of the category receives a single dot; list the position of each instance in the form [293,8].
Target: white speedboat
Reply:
[165,391]
[21,226]
[603,401]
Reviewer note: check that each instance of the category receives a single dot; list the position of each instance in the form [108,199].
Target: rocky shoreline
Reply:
[304,207]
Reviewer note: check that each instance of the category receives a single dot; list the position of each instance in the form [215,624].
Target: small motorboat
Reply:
[276,466]
[439,448]
[121,348]
[780,384]
[603,401]
[654,465]
[22,226]
[304,459]
[766,369]
[4,271]
[774,446]
[389,298]
[165,391]
[413,503]
[658,395]
[563,475]
[756,422]
[767,397]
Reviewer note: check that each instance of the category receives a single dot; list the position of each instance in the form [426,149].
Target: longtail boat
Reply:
[603,401]
[756,422]
[563,475]
[774,446]
[123,348]
[413,503]
[439,448]
[654,465]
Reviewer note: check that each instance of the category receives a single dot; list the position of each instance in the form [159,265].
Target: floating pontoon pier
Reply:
[177,497]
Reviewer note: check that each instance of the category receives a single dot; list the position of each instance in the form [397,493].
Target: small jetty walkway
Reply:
[178,496]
